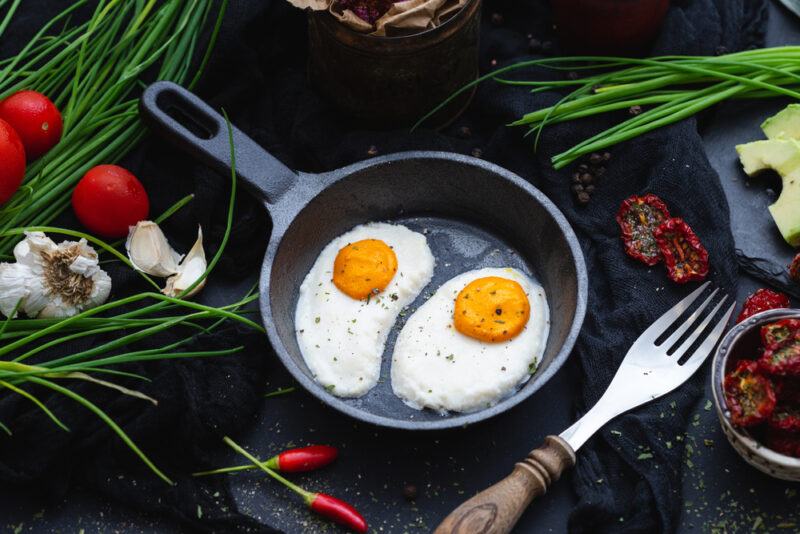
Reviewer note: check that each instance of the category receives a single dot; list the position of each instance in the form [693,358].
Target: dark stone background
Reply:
[720,490]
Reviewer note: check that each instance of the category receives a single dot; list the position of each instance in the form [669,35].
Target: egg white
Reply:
[342,339]
[436,366]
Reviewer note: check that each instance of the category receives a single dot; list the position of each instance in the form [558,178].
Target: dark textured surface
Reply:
[446,467]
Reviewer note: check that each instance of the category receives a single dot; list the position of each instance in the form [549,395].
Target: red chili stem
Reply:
[261,465]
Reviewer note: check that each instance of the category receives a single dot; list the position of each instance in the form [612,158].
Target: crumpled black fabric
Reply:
[258,74]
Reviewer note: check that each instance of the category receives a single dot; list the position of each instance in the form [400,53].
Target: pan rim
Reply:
[451,421]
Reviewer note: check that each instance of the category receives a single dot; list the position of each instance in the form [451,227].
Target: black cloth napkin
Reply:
[258,75]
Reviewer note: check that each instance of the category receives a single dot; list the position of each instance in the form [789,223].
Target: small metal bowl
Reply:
[741,342]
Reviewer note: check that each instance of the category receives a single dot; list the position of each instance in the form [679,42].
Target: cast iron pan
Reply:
[474,214]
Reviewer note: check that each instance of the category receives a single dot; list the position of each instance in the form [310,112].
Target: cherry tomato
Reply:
[109,199]
[35,118]
[12,161]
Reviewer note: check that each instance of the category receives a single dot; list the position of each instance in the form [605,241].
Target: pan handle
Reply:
[180,116]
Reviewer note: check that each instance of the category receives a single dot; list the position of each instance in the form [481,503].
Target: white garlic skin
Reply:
[52,281]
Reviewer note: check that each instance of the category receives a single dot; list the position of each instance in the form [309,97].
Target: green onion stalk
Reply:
[93,72]
[23,339]
[667,89]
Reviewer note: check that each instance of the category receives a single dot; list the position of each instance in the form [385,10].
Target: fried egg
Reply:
[351,298]
[473,343]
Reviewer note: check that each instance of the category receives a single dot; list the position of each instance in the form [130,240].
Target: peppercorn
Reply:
[634,110]
[577,188]
[596,159]
[589,189]
[583,198]
[497,19]
[599,171]
[372,151]
[477,152]
[534,45]
[464,132]
[606,156]
[410,492]
[576,178]
[582,168]
[586,178]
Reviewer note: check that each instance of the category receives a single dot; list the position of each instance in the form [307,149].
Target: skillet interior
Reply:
[465,208]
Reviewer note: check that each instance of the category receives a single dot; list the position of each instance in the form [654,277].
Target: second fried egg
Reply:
[476,340]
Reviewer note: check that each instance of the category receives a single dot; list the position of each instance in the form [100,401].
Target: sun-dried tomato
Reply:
[779,332]
[781,348]
[638,217]
[794,269]
[685,257]
[784,442]
[750,396]
[785,417]
[762,300]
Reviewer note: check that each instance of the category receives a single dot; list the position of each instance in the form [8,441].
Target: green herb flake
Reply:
[644,456]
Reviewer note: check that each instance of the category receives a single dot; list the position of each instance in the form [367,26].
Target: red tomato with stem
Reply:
[109,199]
[12,161]
[35,118]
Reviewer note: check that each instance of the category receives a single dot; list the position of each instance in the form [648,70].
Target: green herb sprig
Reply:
[29,337]
[93,72]
[667,89]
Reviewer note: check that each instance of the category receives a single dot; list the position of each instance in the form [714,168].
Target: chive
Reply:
[678,86]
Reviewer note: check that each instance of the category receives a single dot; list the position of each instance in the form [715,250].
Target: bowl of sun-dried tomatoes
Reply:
[756,388]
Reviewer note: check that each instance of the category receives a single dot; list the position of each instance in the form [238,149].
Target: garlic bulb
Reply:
[190,270]
[150,252]
[50,280]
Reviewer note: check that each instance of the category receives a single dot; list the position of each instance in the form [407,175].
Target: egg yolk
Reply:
[364,268]
[491,309]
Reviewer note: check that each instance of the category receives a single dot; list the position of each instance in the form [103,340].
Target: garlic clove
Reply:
[190,270]
[149,250]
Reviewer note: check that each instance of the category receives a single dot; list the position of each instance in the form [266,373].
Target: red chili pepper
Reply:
[750,396]
[685,257]
[787,443]
[638,217]
[762,300]
[794,269]
[782,348]
[303,459]
[336,510]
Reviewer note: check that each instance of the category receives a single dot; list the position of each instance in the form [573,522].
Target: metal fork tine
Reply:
[700,329]
[671,340]
[660,326]
[707,347]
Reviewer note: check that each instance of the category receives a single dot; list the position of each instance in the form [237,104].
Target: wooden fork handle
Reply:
[497,509]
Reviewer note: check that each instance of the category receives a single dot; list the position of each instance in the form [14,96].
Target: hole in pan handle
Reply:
[181,117]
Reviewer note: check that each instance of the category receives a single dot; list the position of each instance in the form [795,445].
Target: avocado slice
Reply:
[783,156]
[784,124]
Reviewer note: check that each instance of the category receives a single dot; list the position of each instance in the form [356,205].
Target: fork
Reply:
[651,368]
